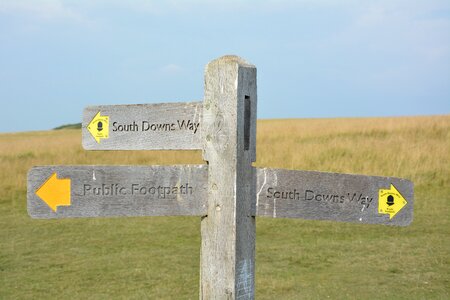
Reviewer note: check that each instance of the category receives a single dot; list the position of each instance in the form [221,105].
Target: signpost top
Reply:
[230,106]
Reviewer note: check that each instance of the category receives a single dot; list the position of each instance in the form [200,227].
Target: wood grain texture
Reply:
[329,196]
[228,230]
[107,191]
[146,126]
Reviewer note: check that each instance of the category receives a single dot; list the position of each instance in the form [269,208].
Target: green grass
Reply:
[158,257]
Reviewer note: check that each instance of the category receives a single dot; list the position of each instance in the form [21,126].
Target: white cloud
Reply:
[399,42]
[400,27]
[171,69]
[158,7]
[48,10]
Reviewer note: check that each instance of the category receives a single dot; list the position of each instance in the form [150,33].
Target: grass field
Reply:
[158,257]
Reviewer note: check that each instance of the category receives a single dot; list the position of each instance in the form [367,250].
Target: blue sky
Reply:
[315,58]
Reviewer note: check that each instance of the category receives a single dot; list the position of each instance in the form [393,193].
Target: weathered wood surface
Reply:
[104,191]
[329,196]
[228,231]
[146,126]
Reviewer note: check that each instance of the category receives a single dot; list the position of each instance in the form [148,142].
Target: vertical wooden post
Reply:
[229,135]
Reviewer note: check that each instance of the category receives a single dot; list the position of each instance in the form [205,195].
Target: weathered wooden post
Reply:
[229,137]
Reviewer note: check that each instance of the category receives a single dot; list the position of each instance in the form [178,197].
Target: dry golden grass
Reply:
[409,147]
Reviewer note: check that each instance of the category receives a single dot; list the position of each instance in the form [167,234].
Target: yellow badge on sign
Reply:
[390,201]
[99,127]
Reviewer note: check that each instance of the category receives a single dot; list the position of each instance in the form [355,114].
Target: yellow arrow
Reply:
[55,192]
[99,127]
[390,201]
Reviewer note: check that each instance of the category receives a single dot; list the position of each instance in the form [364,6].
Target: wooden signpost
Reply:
[227,192]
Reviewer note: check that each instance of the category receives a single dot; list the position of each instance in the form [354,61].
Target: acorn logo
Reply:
[99,126]
[390,200]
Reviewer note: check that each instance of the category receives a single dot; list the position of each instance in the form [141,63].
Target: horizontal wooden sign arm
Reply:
[332,196]
[111,191]
[162,126]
